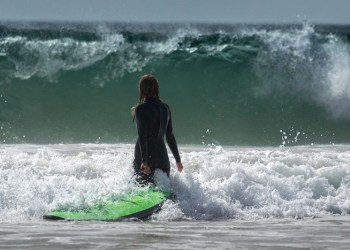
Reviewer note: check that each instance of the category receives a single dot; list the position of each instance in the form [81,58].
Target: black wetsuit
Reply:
[153,121]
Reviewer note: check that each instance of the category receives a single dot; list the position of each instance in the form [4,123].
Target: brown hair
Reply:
[148,87]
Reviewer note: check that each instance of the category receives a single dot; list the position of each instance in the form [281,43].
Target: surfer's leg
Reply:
[161,163]
[141,178]
[166,169]
[165,166]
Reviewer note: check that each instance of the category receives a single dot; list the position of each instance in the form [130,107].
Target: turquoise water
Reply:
[227,85]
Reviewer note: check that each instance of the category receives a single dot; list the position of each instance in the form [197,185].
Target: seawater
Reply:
[76,83]
[261,114]
[218,183]
[227,197]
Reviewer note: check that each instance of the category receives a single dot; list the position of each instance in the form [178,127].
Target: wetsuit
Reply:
[153,121]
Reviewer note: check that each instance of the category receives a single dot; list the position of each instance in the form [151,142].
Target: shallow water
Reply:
[227,197]
[321,233]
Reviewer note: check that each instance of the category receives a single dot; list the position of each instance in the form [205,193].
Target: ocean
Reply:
[261,114]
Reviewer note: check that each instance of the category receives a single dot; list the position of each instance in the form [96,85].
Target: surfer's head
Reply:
[148,87]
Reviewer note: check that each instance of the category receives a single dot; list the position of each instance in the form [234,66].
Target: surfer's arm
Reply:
[170,138]
[142,130]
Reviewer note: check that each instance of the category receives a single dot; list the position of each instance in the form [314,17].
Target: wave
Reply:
[230,77]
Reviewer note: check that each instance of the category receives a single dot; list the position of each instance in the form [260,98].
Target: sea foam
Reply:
[217,183]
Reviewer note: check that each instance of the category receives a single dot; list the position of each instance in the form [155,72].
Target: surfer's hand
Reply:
[145,168]
[179,166]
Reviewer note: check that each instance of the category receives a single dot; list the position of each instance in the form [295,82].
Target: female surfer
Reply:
[153,122]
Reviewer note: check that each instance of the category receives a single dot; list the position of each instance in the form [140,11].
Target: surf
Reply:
[239,183]
[293,80]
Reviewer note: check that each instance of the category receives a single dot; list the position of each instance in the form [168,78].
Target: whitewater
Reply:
[265,197]
[218,183]
[261,114]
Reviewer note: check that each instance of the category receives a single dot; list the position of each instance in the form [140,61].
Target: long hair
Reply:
[148,87]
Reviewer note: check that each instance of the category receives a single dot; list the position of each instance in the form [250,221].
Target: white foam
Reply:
[305,63]
[240,183]
[336,85]
[47,58]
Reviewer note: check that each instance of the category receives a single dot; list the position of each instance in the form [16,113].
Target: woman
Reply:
[153,122]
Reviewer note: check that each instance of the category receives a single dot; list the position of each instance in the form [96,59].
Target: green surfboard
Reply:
[139,203]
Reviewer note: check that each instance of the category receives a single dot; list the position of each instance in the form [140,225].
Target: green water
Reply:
[228,85]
